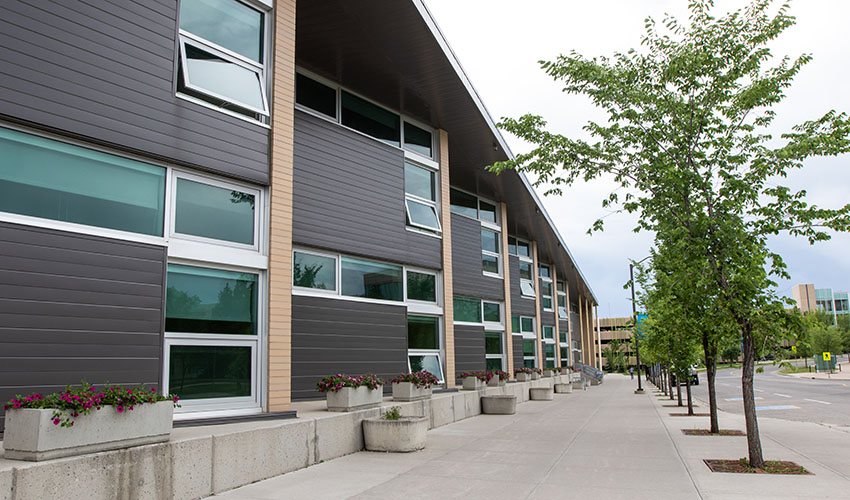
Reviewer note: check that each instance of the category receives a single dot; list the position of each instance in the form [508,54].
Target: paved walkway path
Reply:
[603,443]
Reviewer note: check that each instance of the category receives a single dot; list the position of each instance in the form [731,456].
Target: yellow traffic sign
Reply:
[827,356]
[794,349]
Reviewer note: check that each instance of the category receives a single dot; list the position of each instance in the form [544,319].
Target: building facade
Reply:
[620,330]
[809,298]
[229,199]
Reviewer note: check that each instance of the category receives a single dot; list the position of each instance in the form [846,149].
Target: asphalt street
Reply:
[782,396]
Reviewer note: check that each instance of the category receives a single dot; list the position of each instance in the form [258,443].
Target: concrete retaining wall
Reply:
[200,461]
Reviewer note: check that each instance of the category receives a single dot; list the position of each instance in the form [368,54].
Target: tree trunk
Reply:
[710,351]
[690,401]
[679,389]
[753,439]
[670,383]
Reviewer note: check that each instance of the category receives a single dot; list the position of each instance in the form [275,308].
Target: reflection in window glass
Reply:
[49,179]
[548,332]
[490,264]
[219,78]
[201,300]
[421,214]
[420,181]
[315,95]
[423,332]
[467,309]
[493,343]
[511,245]
[525,270]
[528,324]
[214,212]
[526,288]
[426,362]
[528,347]
[464,204]
[371,280]
[515,323]
[314,271]
[370,119]
[543,271]
[562,337]
[487,211]
[528,363]
[203,372]
[494,364]
[522,249]
[489,241]
[417,140]
[421,286]
[561,286]
[226,23]
[565,356]
[492,312]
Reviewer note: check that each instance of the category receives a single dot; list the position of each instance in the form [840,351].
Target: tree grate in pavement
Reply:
[707,432]
[694,415]
[770,467]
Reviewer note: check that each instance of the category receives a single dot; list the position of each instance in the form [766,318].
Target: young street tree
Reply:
[686,142]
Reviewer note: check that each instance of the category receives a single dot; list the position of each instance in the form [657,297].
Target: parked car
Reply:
[694,377]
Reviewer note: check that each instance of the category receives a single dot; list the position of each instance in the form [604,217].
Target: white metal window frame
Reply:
[256,402]
[337,273]
[497,255]
[525,283]
[430,162]
[552,330]
[543,296]
[265,76]
[562,295]
[440,352]
[480,312]
[433,204]
[493,325]
[502,356]
[420,306]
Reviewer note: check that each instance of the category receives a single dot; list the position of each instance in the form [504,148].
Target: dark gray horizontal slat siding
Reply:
[516,344]
[519,305]
[342,336]
[76,307]
[469,348]
[106,73]
[349,196]
[468,279]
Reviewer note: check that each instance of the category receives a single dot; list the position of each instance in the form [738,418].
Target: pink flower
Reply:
[120,409]
[55,421]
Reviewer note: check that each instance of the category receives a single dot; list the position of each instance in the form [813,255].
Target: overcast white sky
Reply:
[499,43]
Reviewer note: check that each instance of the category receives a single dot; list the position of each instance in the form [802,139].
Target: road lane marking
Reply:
[725,384]
[778,407]
[818,401]
[759,390]
[741,399]
[781,395]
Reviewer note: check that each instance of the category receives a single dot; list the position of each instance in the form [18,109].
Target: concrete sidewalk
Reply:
[605,443]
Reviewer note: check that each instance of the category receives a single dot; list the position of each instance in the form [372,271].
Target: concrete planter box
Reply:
[548,373]
[498,405]
[535,376]
[350,398]
[404,435]
[541,394]
[495,382]
[407,391]
[472,384]
[563,388]
[31,435]
[523,377]
[578,384]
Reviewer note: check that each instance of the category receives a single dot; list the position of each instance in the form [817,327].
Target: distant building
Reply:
[809,298]
[611,329]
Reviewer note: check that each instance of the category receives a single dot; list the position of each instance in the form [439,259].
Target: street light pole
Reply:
[634,317]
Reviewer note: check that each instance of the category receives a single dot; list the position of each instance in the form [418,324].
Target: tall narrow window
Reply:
[529,341]
[222,55]
[420,187]
[562,300]
[494,350]
[423,345]
[526,283]
[491,257]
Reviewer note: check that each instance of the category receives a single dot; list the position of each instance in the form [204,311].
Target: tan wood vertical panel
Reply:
[539,325]
[506,272]
[569,321]
[589,329]
[598,336]
[280,209]
[557,319]
[581,327]
[448,289]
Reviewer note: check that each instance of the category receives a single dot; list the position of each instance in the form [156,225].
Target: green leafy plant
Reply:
[393,413]
[75,401]
[420,379]
[480,375]
[333,383]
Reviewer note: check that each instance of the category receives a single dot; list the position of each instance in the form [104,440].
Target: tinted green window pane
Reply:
[371,280]
[422,214]
[464,204]
[515,323]
[528,363]
[489,241]
[417,140]
[200,300]
[565,356]
[511,245]
[227,23]
[550,363]
[490,264]
[525,270]
[493,343]
[421,286]
[528,347]
[561,286]
[562,301]
[419,181]
[423,332]
[370,119]
[546,288]
[314,271]
[315,95]
[562,337]
[492,312]
[549,350]
[522,249]
[428,363]
[202,372]
[548,332]
[214,212]
[49,179]
[487,211]
[494,364]
[547,302]
[467,310]
[528,325]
